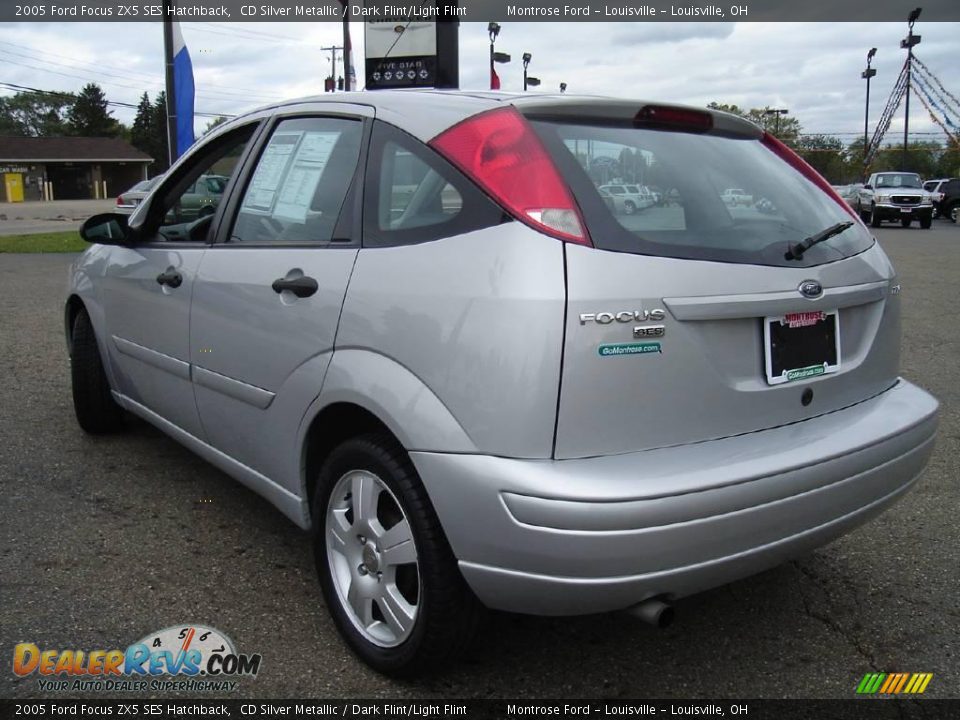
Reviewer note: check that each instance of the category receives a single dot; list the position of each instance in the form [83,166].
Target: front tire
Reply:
[953,211]
[874,218]
[96,410]
[629,208]
[926,222]
[388,575]
[905,222]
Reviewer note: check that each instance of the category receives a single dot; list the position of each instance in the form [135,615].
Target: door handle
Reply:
[170,278]
[303,286]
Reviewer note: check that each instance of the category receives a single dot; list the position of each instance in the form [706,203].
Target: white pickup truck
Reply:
[895,196]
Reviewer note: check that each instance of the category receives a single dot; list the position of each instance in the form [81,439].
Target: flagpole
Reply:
[171,99]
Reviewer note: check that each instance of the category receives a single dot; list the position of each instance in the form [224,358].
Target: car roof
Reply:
[424,113]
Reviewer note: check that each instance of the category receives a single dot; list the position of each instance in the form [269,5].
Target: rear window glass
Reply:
[718,198]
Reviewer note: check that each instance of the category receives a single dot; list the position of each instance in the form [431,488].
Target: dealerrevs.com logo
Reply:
[180,657]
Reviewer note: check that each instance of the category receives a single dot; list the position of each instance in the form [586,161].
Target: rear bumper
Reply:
[597,534]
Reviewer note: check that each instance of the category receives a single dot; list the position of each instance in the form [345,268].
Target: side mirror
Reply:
[105,229]
[868,186]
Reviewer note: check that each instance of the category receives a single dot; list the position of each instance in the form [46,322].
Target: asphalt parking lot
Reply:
[103,540]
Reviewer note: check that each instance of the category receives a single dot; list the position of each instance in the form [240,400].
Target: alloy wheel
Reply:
[373,558]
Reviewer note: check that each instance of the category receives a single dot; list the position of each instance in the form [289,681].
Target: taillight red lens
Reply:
[783,152]
[120,200]
[500,151]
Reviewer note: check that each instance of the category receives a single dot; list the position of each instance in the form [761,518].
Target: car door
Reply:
[268,294]
[147,287]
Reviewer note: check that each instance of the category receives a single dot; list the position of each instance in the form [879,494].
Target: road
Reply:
[29,218]
[103,540]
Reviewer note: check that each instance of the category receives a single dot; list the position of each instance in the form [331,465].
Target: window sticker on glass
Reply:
[270,171]
[300,185]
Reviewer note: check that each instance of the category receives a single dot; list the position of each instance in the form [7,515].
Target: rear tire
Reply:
[363,583]
[953,211]
[629,208]
[96,410]
[874,218]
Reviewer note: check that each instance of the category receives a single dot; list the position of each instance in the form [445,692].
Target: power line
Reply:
[66,95]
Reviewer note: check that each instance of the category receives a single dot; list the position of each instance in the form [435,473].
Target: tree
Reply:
[89,116]
[143,132]
[34,114]
[827,156]
[216,122]
[161,148]
[789,127]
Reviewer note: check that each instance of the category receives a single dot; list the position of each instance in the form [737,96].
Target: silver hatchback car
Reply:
[414,325]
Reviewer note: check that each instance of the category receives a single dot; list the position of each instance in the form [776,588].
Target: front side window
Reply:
[186,215]
[722,198]
[298,188]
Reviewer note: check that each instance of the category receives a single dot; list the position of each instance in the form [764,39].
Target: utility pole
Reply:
[908,42]
[866,75]
[333,68]
[527,57]
[347,46]
[171,90]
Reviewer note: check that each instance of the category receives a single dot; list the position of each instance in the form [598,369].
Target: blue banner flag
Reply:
[183,91]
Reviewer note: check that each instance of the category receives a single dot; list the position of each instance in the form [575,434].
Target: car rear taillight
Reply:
[663,117]
[500,152]
[783,152]
[120,200]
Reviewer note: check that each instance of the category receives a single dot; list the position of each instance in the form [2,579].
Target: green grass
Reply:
[58,242]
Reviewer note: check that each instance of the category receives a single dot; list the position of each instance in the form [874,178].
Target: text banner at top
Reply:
[479,10]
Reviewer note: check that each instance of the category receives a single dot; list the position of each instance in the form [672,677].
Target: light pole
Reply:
[908,42]
[777,112]
[493,29]
[563,88]
[527,57]
[866,75]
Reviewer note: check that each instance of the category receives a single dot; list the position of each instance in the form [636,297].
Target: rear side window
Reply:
[413,195]
[301,180]
[719,198]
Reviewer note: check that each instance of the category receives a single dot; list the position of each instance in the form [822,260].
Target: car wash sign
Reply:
[406,47]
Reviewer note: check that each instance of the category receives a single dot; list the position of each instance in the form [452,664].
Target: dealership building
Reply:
[68,168]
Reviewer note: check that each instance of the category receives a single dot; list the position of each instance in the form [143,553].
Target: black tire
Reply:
[95,408]
[629,208]
[905,222]
[448,612]
[874,218]
[926,222]
[953,211]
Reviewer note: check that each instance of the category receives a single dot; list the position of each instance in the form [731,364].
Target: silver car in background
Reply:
[417,326]
[127,202]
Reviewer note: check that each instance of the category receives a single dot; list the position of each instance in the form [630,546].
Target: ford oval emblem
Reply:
[811,289]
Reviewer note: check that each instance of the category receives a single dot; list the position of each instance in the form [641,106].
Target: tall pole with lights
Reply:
[493,30]
[866,75]
[527,57]
[907,43]
[777,112]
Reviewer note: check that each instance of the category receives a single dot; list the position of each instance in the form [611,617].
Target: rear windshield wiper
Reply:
[797,251]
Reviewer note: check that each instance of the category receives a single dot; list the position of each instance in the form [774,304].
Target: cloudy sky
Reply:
[813,69]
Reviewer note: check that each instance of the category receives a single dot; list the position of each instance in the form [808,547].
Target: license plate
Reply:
[801,345]
[906,210]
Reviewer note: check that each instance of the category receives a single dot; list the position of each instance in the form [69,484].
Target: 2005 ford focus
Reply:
[415,326]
